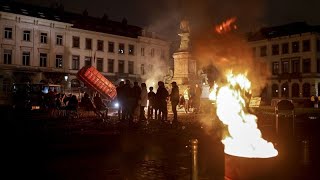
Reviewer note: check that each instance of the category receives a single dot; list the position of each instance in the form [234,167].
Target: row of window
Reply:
[43,61]
[100,45]
[76,42]
[295,90]
[100,64]
[283,48]
[292,65]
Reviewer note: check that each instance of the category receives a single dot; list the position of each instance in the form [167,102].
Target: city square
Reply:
[182,90]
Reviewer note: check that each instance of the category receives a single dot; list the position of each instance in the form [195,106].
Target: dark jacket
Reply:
[174,96]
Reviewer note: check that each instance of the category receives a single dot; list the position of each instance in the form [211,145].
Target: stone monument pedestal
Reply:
[184,68]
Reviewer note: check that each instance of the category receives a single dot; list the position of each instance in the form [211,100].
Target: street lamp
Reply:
[66,77]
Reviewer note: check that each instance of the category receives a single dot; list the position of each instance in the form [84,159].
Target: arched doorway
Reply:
[295,90]
[306,90]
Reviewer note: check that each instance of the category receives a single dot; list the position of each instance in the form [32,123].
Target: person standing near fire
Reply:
[196,98]
[186,95]
[161,98]
[174,98]
[143,101]
[151,105]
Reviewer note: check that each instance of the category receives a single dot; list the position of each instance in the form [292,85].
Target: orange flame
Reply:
[226,26]
[244,138]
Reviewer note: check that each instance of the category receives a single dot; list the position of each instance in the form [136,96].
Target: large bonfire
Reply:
[244,139]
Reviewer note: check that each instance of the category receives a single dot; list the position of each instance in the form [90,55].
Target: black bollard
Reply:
[194,159]
[305,152]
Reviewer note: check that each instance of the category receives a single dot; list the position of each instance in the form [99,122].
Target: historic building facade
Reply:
[41,44]
[292,53]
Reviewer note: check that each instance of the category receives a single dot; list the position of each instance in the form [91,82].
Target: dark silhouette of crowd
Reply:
[133,100]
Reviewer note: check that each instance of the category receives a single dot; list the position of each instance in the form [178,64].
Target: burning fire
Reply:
[244,138]
[213,94]
[226,26]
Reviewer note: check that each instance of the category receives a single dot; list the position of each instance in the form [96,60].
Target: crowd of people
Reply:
[134,98]
[58,102]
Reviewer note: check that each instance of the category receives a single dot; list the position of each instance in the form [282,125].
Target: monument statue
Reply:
[184,26]
[185,70]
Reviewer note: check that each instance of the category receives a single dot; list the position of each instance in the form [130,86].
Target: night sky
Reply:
[163,16]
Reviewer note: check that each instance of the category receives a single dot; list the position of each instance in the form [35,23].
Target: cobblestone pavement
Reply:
[40,147]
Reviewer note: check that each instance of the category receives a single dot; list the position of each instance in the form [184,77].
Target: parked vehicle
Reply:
[27,96]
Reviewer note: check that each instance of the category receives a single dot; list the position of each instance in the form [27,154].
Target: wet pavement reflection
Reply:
[38,148]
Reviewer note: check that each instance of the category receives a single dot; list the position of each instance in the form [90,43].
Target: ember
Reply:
[226,26]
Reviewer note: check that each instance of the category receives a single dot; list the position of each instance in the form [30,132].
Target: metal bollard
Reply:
[305,152]
[194,161]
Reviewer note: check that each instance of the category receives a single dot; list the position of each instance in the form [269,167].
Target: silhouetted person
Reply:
[72,103]
[196,98]
[152,99]
[143,100]
[161,99]
[174,98]
[100,106]
[121,100]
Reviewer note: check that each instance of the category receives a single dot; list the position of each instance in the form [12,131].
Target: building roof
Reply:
[283,30]
[80,21]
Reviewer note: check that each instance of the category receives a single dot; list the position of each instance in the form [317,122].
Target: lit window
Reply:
[131,49]
[121,48]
